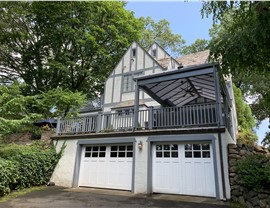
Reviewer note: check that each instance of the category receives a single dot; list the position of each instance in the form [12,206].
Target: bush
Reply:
[25,166]
[254,172]
[8,176]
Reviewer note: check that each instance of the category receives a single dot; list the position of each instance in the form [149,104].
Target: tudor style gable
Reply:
[163,58]
[119,86]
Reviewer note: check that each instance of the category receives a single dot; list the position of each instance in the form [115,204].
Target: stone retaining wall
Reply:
[240,194]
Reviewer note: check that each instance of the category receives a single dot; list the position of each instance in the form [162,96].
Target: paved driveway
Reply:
[59,197]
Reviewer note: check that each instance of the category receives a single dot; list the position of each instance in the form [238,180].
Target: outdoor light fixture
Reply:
[140,145]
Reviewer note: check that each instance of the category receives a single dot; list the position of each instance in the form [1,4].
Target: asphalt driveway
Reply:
[59,197]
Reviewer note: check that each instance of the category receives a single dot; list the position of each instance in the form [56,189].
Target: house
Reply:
[164,127]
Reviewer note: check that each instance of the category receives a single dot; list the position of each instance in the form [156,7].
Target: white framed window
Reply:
[133,52]
[167,150]
[197,151]
[154,53]
[122,151]
[95,151]
[125,112]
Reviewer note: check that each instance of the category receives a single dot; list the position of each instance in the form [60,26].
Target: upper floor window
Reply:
[133,52]
[128,83]
[154,52]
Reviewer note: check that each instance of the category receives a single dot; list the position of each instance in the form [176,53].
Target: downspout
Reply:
[222,166]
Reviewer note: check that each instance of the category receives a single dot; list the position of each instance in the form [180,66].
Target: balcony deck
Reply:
[186,117]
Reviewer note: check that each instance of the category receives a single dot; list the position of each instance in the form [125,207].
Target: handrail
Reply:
[152,118]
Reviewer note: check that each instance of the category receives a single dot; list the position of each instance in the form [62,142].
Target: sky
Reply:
[185,19]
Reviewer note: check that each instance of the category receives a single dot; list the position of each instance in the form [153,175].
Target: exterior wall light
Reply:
[140,145]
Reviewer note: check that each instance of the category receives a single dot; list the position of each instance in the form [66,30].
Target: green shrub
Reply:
[25,166]
[254,172]
[8,176]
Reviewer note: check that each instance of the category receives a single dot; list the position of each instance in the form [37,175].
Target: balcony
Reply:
[199,115]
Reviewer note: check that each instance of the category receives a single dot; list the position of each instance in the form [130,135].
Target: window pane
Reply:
[158,154]
[113,148]
[174,154]
[88,154]
[102,154]
[159,147]
[130,147]
[188,154]
[174,147]
[205,146]
[196,146]
[113,154]
[206,154]
[122,148]
[88,149]
[94,154]
[188,147]
[197,154]
[166,147]
[102,148]
[121,154]
[129,154]
[166,154]
[95,148]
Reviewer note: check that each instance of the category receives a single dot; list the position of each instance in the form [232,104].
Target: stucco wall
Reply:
[64,172]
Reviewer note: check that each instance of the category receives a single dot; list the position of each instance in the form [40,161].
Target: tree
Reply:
[266,140]
[72,45]
[161,33]
[17,111]
[197,46]
[245,118]
[241,41]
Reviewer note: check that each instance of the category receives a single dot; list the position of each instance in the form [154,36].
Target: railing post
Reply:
[136,106]
[150,117]
[218,98]
[58,126]
[99,122]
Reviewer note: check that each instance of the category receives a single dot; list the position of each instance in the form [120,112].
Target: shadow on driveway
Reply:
[59,197]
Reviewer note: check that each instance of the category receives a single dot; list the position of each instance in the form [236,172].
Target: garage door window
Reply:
[167,150]
[197,151]
[122,151]
[95,151]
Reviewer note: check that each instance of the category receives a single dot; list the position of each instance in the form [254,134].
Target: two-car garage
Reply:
[176,168]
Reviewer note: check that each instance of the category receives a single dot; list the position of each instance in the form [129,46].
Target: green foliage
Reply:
[26,166]
[197,46]
[73,45]
[18,112]
[254,172]
[161,33]
[240,43]
[245,118]
[266,140]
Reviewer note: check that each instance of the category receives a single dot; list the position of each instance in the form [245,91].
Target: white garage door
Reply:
[183,169]
[107,166]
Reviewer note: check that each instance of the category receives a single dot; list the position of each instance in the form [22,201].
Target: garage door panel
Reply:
[107,167]
[189,171]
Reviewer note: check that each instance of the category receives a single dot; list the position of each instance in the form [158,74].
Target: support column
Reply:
[136,106]
[218,99]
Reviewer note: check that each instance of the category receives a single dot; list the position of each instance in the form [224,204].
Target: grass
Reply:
[21,192]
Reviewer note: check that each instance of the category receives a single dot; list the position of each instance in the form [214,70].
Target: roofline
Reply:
[185,69]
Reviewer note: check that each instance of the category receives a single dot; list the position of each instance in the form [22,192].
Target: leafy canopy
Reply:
[241,41]
[18,111]
[245,118]
[161,33]
[72,45]
[197,46]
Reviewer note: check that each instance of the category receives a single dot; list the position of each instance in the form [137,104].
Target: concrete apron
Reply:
[165,197]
